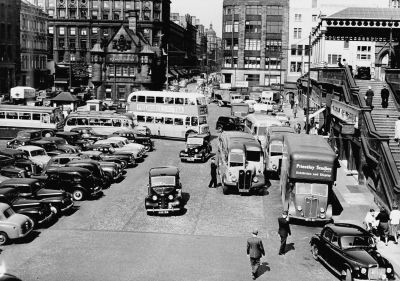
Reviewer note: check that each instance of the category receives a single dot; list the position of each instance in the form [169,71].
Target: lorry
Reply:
[227,97]
[25,95]
[240,109]
[308,173]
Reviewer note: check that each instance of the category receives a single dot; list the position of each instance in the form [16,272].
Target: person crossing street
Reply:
[213,181]
[255,250]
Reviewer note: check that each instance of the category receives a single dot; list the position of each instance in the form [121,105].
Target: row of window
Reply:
[298,17]
[269,79]
[167,100]
[177,121]
[29,62]
[107,122]
[33,43]
[33,25]
[271,10]
[299,50]
[6,31]
[254,62]
[94,14]
[254,26]
[7,53]
[107,4]
[43,117]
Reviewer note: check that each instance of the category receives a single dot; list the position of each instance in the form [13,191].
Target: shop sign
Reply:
[242,84]
[113,58]
[312,171]
[347,113]
[347,129]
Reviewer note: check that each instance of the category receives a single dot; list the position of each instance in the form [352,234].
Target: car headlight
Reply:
[299,208]
[186,150]
[255,179]
[322,216]
[154,197]
[170,197]
[233,178]
[196,150]
[389,270]
[8,143]
[363,270]
[274,167]
[322,210]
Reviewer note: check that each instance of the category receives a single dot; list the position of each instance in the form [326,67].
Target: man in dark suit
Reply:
[213,181]
[255,250]
[284,231]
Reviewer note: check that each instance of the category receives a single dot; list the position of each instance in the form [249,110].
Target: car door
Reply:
[324,247]
[335,254]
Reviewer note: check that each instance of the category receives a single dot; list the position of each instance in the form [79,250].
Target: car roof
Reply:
[67,133]
[66,155]
[68,169]
[10,151]
[41,141]
[26,181]
[30,147]
[347,229]
[164,171]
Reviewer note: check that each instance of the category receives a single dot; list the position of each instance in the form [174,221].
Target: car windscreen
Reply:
[261,131]
[275,149]
[312,188]
[162,181]
[194,141]
[38,152]
[356,241]
[236,160]
[253,156]
[60,141]
[8,212]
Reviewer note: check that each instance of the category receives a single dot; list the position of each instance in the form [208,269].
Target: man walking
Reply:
[213,181]
[385,97]
[397,130]
[394,223]
[255,250]
[284,231]
[368,96]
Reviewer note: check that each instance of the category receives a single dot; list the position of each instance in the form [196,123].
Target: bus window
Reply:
[186,101]
[82,121]
[159,99]
[169,121]
[149,99]
[94,122]
[12,115]
[159,120]
[149,119]
[133,99]
[116,123]
[202,120]
[36,116]
[178,121]
[192,101]
[45,118]
[71,121]
[187,121]
[169,100]
[2,115]
[126,123]
[195,121]
[140,118]
[178,100]
[141,99]
[25,116]
[106,122]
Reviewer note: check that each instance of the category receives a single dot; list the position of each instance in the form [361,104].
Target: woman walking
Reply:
[383,218]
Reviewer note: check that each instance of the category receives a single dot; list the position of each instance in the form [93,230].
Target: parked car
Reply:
[283,118]
[100,156]
[50,147]
[36,154]
[23,137]
[119,146]
[88,133]
[77,181]
[39,212]
[266,106]
[198,148]
[229,123]
[13,225]
[109,150]
[98,174]
[12,171]
[62,144]
[350,251]
[75,139]
[164,191]
[134,147]
[59,201]
[136,138]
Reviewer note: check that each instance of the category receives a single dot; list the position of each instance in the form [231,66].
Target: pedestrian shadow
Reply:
[289,247]
[264,267]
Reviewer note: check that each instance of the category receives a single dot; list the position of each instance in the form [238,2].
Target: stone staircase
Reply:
[384,118]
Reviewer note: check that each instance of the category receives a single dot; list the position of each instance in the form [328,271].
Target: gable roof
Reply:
[65,96]
[367,13]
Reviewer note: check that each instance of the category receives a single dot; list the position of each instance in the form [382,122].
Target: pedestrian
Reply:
[297,128]
[283,231]
[383,218]
[368,96]
[213,181]
[371,224]
[255,250]
[397,130]
[339,63]
[385,97]
[295,110]
[394,223]
[291,103]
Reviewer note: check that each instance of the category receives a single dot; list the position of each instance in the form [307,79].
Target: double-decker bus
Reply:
[102,122]
[307,176]
[14,118]
[170,114]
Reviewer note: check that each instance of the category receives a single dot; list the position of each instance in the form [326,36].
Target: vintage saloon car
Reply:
[229,123]
[36,210]
[12,225]
[58,200]
[198,148]
[88,133]
[21,161]
[23,137]
[77,181]
[165,191]
[50,147]
[75,139]
[350,251]
[136,138]
[36,154]
[108,151]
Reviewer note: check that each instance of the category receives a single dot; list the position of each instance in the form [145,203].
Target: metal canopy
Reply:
[360,24]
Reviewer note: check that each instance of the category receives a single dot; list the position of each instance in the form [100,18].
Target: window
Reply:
[105,16]
[333,58]
[297,17]
[169,121]
[252,44]
[95,30]
[297,33]
[314,18]
[72,13]
[117,4]
[273,45]
[253,27]
[116,16]
[72,31]
[253,10]
[228,10]
[228,27]
[95,14]
[307,50]
[178,121]
[159,99]
[299,50]
[141,99]
[83,14]
[95,3]
[150,99]
[274,10]
[106,4]
[252,77]
[293,50]
[61,13]
[61,43]
[83,31]
[296,66]
[51,29]
[61,31]
[252,62]
[274,27]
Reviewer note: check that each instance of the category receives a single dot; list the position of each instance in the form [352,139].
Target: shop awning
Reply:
[316,113]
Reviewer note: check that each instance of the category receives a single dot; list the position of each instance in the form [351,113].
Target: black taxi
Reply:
[164,191]
[198,148]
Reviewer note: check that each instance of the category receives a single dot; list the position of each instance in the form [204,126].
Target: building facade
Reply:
[254,35]
[34,50]
[9,45]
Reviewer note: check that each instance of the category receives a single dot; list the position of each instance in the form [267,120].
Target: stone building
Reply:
[9,44]
[254,35]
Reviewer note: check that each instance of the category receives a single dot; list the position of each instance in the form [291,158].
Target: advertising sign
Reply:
[347,113]
[312,171]
[242,84]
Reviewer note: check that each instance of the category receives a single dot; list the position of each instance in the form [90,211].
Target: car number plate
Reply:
[163,212]
[190,159]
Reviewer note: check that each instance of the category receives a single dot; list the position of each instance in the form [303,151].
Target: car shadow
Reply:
[264,267]
[71,211]
[29,238]
[185,197]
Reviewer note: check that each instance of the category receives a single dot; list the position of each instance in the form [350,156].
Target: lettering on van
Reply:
[313,171]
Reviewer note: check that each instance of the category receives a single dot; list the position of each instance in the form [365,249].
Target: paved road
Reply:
[112,238]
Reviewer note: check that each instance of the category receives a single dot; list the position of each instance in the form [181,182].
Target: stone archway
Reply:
[382,61]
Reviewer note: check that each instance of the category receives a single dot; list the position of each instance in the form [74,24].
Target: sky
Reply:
[208,11]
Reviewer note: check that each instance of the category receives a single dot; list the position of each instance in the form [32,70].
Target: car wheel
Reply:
[3,238]
[314,252]
[225,190]
[348,276]
[77,195]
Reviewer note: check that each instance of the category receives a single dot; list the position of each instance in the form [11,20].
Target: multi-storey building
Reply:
[9,44]
[77,25]
[254,35]
[33,34]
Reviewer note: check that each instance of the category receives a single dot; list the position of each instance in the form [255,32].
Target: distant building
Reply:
[255,35]
[9,44]
[33,34]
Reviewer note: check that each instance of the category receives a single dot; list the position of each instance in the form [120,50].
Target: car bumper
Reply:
[152,206]
[193,158]
[69,206]
[47,218]
[96,191]
[118,176]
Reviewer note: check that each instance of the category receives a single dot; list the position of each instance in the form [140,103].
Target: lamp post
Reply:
[97,59]
[308,87]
